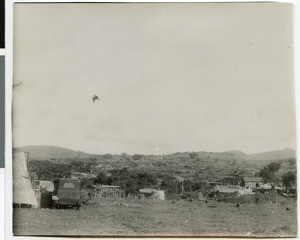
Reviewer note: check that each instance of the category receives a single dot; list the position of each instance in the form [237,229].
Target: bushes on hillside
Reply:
[130,181]
[47,170]
[289,180]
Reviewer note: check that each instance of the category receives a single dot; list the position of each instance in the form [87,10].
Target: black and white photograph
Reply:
[154,119]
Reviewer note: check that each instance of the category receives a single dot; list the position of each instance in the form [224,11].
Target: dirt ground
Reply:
[159,218]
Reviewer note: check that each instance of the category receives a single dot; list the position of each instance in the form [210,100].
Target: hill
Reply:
[274,155]
[198,166]
[237,154]
[52,152]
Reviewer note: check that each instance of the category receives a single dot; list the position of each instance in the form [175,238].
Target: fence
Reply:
[105,191]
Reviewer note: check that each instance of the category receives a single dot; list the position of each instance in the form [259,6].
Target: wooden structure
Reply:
[105,191]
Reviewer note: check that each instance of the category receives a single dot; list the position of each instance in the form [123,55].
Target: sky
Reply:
[171,77]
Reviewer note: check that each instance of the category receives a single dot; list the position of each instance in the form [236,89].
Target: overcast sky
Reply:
[172,77]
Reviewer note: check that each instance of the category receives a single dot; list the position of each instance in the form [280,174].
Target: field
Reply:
[159,218]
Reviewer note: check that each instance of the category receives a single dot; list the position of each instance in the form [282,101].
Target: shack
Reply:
[253,182]
[223,192]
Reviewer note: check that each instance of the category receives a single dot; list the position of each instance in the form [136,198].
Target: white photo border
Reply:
[8,219]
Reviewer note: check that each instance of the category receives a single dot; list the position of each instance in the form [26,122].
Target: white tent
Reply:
[23,192]
[159,195]
[201,196]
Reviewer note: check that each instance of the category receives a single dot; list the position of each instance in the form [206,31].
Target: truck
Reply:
[67,193]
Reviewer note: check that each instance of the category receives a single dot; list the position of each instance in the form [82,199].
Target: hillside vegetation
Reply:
[54,152]
[194,166]
[51,152]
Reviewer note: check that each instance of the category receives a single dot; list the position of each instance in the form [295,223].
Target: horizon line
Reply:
[158,154]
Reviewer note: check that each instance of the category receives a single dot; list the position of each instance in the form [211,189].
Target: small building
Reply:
[147,192]
[222,192]
[230,189]
[153,193]
[253,182]
[245,191]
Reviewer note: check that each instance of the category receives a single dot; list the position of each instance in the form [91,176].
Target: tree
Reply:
[130,181]
[289,180]
[292,161]
[126,156]
[193,155]
[274,167]
[188,185]
[87,182]
[137,156]
[269,172]
[80,166]
[101,178]
[231,180]
[107,156]
[47,170]
[169,184]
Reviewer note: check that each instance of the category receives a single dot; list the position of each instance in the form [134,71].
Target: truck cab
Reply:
[67,193]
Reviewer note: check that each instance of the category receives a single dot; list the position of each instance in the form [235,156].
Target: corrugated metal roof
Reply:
[108,186]
[226,189]
[253,179]
[147,190]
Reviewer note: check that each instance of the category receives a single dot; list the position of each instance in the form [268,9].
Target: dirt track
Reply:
[149,217]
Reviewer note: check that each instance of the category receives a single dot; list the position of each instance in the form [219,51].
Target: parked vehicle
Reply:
[67,193]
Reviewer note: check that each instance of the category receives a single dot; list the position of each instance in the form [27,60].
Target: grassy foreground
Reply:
[160,218]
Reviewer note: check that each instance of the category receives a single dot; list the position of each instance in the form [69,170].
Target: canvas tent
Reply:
[23,193]
[201,197]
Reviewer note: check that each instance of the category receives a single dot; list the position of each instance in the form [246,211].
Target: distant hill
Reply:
[51,152]
[199,166]
[274,155]
[54,152]
[237,154]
